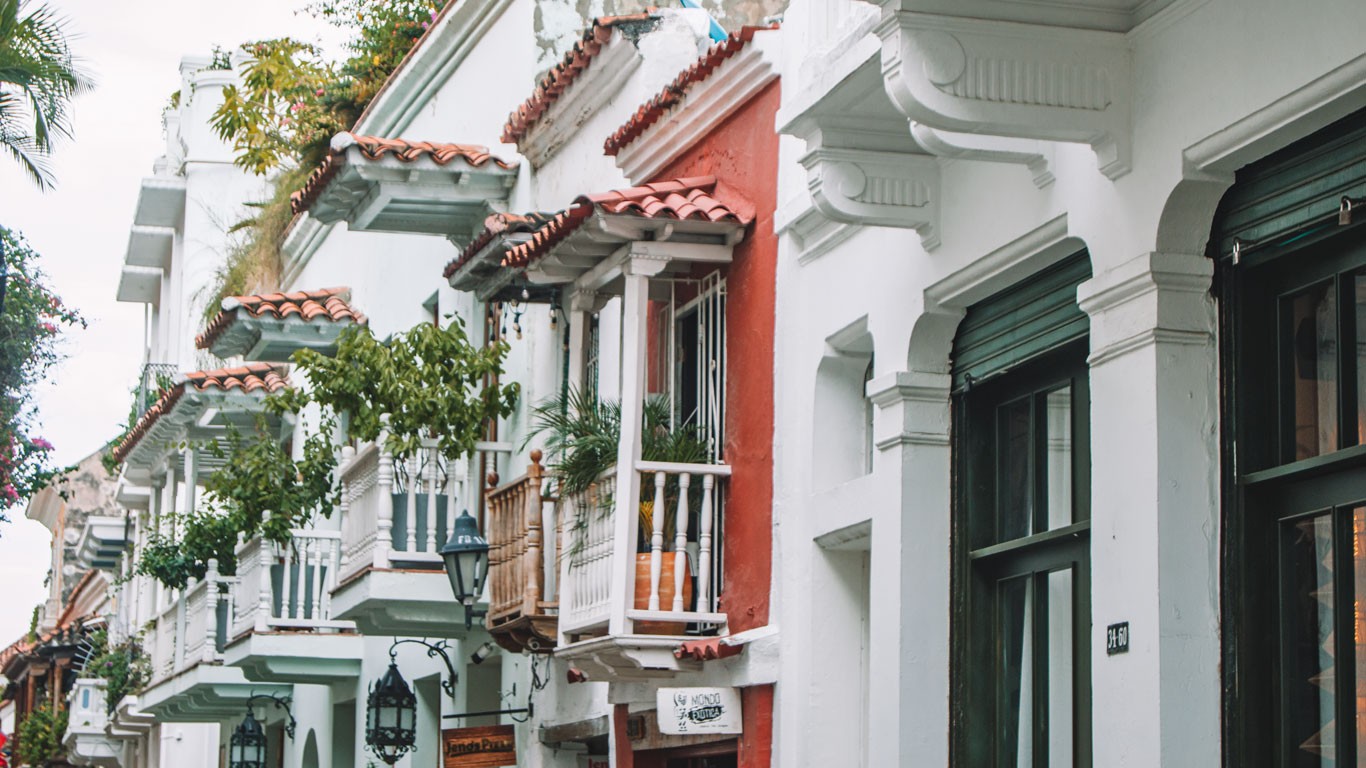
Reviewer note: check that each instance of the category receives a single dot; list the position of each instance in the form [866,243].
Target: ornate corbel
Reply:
[1028,81]
[876,187]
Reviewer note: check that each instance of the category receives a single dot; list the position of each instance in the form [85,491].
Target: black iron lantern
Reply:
[390,717]
[466,557]
[248,746]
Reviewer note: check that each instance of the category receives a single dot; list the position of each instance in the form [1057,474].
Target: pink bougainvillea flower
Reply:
[319,93]
[49,328]
[41,444]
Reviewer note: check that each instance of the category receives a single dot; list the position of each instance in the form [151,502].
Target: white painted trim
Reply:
[305,236]
[417,82]
[1045,245]
[606,74]
[732,85]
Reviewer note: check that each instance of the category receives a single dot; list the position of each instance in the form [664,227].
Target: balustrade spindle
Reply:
[229,618]
[410,541]
[316,571]
[264,554]
[211,611]
[384,523]
[434,461]
[657,513]
[681,540]
[530,497]
[704,534]
[331,582]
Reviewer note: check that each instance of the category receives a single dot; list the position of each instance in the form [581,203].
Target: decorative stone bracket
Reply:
[876,187]
[1028,81]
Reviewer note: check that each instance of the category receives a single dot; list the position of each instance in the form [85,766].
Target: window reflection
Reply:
[1058,421]
[1314,343]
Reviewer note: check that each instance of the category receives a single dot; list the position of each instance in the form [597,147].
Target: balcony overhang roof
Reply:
[479,268]
[679,222]
[102,542]
[205,693]
[149,247]
[394,185]
[273,326]
[202,405]
[139,285]
[161,202]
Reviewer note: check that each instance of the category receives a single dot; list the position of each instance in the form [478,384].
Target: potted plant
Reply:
[581,435]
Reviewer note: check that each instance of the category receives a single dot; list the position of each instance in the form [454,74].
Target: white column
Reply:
[634,345]
[1155,511]
[909,564]
[191,478]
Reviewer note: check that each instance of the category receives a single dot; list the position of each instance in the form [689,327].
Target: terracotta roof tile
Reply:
[650,112]
[707,649]
[522,119]
[326,304]
[495,225]
[375,148]
[682,199]
[251,377]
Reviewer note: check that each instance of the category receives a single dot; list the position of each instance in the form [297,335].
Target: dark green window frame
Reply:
[997,553]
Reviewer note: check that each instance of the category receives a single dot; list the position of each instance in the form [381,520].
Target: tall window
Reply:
[1022,618]
[699,365]
[1293,341]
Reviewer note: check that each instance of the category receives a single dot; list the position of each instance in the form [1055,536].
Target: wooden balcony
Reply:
[522,613]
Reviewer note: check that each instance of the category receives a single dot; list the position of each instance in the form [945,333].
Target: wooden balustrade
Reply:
[520,615]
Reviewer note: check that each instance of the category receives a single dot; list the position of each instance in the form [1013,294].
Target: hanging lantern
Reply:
[466,557]
[390,717]
[247,749]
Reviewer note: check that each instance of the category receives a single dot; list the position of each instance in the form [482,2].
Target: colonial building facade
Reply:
[1011,346]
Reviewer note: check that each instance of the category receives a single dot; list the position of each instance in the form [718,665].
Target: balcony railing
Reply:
[287,586]
[396,512]
[194,627]
[522,577]
[667,586]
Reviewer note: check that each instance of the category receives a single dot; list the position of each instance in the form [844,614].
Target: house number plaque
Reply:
[1117,638]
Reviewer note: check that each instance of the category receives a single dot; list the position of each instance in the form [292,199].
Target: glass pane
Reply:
[1016,698]
[1310,681]
[1014,489]
[1060,662]
[1359,290]
[1359,622]
[1313,328]
[1058,432]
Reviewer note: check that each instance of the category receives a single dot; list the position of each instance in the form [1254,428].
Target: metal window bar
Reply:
[591,356]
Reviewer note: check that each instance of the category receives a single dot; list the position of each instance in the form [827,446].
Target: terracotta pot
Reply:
[666,594]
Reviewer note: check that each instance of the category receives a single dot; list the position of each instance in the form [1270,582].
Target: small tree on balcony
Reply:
[426,383]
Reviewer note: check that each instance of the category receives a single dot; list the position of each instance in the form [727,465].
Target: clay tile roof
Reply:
[326,304]
[522,119]
[251,377]
[681,199]
[707,649]
[495,225]
[650,112]
[376,148]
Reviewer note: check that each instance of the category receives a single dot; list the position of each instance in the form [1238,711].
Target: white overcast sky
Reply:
[133,49]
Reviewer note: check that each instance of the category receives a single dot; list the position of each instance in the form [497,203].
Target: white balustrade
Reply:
[288,585]
[685,502]
[424,488]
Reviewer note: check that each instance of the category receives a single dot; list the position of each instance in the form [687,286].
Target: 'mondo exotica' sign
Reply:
[698,710]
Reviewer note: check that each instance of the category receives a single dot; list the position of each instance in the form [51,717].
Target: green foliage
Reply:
[38,79]
[30,329]
[141,399]
[40,736]
[124,668]
[33,622]
[429,382]
[258,490]
[582,435]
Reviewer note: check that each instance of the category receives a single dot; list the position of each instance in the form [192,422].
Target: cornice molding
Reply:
[1027,81]
[704,107]
[981,277]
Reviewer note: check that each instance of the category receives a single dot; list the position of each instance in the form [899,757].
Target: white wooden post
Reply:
[178,654]
[704,534]
[331,581]
[634,349]
[434,460]
[191,478]
[264,554]
[657,513]
[414,482]
[384,516]
[681,540]
[211,605]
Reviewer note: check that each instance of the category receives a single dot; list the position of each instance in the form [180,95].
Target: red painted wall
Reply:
[742,153]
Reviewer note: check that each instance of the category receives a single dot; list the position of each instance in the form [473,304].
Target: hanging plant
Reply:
[426,383]
[124,668]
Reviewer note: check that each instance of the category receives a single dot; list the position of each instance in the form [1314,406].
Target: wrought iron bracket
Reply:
[434,650]
[282,703]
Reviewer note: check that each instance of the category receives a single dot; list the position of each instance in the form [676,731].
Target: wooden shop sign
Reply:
[491,746]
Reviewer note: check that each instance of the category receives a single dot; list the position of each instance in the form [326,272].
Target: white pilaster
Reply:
[1155,511]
